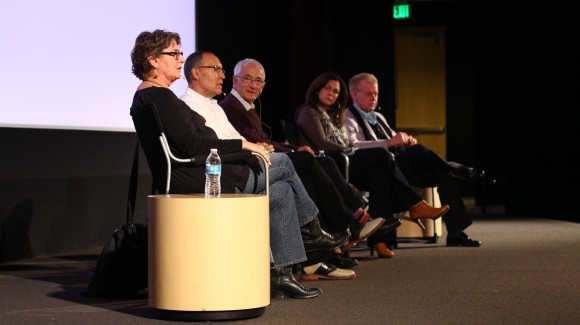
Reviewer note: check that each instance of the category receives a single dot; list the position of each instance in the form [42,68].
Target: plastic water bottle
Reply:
[213,172]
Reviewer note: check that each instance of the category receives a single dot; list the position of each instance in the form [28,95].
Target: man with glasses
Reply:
[249,81]
[421,166]
[205,77]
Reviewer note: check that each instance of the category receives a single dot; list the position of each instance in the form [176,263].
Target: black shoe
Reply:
[361,231]
[462,240]
[283,284]
[468,173]
[314,238]
[343,262]
[342,236]
[391,224]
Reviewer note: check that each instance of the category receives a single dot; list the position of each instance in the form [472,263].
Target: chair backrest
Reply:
[294,134]
[154,143]
[145,120]
[290,131]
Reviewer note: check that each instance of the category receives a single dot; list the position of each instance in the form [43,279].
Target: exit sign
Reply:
[402,11]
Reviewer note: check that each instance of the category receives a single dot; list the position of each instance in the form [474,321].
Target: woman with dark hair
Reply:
[321,121]
[157,61]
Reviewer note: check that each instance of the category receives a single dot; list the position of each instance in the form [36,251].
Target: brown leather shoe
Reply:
[383,251]
[424,210]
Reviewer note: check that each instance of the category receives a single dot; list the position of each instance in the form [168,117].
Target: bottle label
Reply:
[213,169]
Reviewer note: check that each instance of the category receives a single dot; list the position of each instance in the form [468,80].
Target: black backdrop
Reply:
[296,41]
[511,92]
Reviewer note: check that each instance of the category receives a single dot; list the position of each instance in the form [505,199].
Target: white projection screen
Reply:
[66,63]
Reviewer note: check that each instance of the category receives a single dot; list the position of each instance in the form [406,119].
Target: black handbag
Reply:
[121,269]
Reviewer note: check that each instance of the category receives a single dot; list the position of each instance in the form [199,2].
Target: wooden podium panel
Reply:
[209,255]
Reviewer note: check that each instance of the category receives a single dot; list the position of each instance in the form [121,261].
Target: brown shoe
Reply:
[424,210]
[383,251]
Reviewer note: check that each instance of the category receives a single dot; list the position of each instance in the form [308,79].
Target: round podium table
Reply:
[209,258]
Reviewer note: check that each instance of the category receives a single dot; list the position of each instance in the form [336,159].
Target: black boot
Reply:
[314,238]
[283,283]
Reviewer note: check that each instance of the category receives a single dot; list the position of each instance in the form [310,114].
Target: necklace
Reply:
[151,81]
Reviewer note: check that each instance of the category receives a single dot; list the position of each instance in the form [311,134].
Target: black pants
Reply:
[375,170]
[424,168]
[351,198]
[335,215]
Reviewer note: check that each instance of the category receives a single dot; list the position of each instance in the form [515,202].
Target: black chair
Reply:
[290,131]
[152,138]
[160,157]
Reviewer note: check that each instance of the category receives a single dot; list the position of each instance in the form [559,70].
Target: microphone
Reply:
[224,94]
[269,133]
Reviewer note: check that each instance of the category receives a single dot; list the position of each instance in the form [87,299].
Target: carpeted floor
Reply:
[526,272]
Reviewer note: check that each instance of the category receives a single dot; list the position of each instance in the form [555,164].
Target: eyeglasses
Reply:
[215,68]
[248,80]
[175,54]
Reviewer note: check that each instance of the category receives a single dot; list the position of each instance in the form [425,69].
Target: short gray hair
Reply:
[356,79]
[241,64]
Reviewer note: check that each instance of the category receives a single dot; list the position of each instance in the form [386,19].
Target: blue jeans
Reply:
[290,208]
